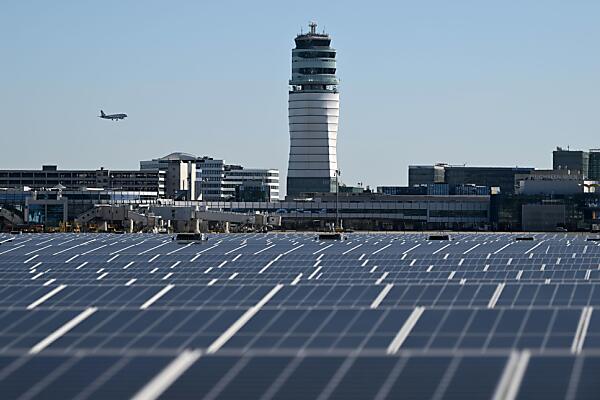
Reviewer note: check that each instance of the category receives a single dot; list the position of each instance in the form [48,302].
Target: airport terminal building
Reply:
[374,211]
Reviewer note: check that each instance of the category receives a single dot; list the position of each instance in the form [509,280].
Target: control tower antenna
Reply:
[313,27]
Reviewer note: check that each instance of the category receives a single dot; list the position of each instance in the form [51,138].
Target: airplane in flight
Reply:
[114,117]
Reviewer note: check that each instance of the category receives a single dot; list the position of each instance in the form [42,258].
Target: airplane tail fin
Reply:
[102,113]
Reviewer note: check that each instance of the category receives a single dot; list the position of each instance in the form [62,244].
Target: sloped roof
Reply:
[178,156]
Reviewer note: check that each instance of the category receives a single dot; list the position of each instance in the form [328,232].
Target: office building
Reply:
[402,190]
[313,115]
[470,190]
[252,191]
[576,161]
[51,177]
[456,176]
[180,174]
[374,211]
[219,181]
[435,189]
[426,174]
[550,182]
[343,188]
[594,165]
[545,216]
[239,180]
[438,189]
[210,179]
[501,177]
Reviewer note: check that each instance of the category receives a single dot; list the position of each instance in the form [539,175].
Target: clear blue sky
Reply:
[475,82]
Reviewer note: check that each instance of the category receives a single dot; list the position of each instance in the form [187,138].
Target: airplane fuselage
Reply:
[114,117]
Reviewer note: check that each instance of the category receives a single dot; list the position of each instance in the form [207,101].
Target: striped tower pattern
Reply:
[313,115]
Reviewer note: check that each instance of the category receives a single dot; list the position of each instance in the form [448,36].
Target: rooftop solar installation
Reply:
[289,316]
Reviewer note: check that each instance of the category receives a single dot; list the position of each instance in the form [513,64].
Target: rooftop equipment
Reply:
[439,237]
[524,238]
[185,238]
[330,236]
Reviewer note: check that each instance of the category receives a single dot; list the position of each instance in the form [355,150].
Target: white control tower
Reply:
[313,115]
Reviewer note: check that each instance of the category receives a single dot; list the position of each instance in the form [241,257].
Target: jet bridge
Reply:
[122,214]
[177,218]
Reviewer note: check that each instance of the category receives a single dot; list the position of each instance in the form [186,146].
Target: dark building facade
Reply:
[426,174]
[502,177]
[576,161]
[51,177]
[456,177]
[581,211]
[594,165]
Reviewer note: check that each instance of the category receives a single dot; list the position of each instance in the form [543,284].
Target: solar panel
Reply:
[282,315]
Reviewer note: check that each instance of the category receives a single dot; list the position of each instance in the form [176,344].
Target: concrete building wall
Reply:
[181,178]
[180,174]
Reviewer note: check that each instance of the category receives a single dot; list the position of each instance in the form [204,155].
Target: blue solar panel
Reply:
[286,316]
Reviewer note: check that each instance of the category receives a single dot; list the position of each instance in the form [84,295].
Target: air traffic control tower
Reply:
[313,115]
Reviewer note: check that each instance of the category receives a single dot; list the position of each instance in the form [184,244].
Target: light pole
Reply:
[337,198]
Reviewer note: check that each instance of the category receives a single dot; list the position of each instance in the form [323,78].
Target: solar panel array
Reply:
[285,316]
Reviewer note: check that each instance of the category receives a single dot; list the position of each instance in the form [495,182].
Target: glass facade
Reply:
[371,211]
[425,174]
[54,214]
[574,161]
[48,207]
[310,185]
[594,165]
[14,199]
[581,210]
[501,177]
[50,215]
[36,214]
[313,63]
